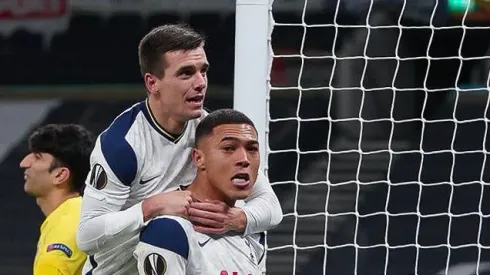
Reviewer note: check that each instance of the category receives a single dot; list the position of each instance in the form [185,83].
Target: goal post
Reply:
[252,65]
[374,132]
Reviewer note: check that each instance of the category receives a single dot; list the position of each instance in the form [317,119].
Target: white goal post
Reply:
[373,132]
[252,64]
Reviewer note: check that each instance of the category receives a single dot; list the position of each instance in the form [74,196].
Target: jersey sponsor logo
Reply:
[155,264]
[61,247]
[98,177]
[143,182]
[201,244]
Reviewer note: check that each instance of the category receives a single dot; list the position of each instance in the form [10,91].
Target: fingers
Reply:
[208,217]
[189,198]
[216,217]
[218,207]
[175,203]
[205,222]
[186,195]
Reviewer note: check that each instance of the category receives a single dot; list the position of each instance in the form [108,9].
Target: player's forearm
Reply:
[98,232]
[262,213]
[262,209]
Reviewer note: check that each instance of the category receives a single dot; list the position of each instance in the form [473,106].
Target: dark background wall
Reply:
[389,173]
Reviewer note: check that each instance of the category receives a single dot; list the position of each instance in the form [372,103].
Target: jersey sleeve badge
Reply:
[60,247]
[155,264]
[98,177]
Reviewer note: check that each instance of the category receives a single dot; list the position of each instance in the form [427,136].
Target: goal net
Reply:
[377,137]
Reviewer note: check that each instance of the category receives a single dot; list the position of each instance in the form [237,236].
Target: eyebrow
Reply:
[191,67]
[39,154]
[228,138]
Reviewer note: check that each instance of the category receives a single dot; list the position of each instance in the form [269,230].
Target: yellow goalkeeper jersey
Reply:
[57,251]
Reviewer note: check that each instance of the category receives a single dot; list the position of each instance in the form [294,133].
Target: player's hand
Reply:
[215,217]
[175,203]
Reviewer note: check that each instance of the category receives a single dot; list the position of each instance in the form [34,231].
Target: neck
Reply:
[50,202]
[202,190]
[165,119]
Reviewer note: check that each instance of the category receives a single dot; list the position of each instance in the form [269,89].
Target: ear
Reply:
[198,158]
[60,175]
[151,83]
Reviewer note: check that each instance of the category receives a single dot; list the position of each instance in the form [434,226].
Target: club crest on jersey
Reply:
[61,247]
[98,177]
[155,265]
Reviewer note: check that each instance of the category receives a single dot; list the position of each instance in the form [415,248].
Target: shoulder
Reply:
[62,237]
[47,264]
[114,146]
[61,244]
[121,125]
[168,232]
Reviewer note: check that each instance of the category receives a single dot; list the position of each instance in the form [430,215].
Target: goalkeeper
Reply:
[146,152]
[54,174]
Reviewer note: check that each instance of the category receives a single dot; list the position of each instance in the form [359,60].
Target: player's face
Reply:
[231,160]
[183,86]
[38,178]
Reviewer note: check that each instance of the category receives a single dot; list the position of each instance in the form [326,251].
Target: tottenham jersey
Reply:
[133,159]
[169,245]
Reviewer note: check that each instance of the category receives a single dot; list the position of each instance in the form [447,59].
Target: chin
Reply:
[241,194]
[195,114]
[29,192]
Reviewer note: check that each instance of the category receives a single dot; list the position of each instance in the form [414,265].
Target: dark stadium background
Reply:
[88,73]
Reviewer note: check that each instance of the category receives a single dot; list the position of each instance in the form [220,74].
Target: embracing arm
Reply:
[262,209]
[102,223]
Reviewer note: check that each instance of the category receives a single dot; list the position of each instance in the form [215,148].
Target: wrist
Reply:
[236,220]
[147,209]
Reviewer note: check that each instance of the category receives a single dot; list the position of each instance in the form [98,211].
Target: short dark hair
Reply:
[217,118]
[163,39]
[70,145]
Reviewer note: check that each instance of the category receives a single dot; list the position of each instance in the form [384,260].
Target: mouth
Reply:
[195,99]
[241,180]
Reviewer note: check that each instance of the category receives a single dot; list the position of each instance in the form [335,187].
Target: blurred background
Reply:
[383,169]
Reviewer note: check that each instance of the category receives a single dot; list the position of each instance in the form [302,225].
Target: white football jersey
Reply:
[170,245]
[133,159]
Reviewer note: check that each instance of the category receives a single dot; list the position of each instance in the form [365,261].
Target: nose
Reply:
[25,163]
[242,158]
[200,82]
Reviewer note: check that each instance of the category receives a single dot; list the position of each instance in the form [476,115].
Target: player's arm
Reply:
[262,209]
[163,248]
[47,268]
[102,224]
[52,262]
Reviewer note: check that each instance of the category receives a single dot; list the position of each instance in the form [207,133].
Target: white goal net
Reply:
[377,142]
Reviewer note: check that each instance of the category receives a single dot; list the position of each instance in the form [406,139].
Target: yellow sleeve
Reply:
[48,264]
[46,268]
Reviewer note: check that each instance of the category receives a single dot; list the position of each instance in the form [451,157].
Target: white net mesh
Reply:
[378,138]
